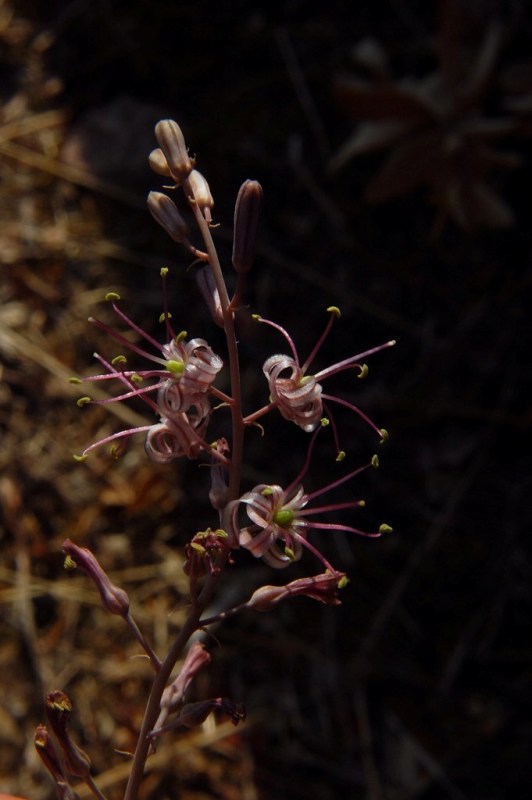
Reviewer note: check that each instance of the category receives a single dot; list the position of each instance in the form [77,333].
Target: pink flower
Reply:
[176,388]
[280,520]
[298,395]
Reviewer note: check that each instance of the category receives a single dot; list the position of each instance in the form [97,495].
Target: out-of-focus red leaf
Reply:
[383,101]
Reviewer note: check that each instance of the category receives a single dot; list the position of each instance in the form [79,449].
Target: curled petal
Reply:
[273,519]
[176,436]
[297,396]
[201,364]
[263,544]
[172,399]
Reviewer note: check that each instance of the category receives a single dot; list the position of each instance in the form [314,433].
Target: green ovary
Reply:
[284,517]
[175,367]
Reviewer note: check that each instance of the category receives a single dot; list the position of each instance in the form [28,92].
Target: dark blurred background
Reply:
[392,140]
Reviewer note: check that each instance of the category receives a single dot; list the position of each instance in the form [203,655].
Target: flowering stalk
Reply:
[178,386]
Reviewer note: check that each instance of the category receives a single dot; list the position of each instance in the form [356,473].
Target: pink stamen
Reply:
[130,345]
[169,330]
[306,465]
[307,512]
[339,482]
[319,343]
[332,526]
[351,362]
[284,333]
[314,551]
[136,327]
[357,410]
[114,373]
[114,436]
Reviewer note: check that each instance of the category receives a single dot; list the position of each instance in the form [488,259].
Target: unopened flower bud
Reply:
[247,212]
[165,211]
[201,193]
[172,143]
[210,294]
[115,600]
[158,163]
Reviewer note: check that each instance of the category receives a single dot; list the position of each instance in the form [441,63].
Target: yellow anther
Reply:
[164,272]
[341,455]
[385,528]
[119,360]
[375,461]
[112,297]
[75,381]
[335,310]
[364,369]
[81,458]
[82,401]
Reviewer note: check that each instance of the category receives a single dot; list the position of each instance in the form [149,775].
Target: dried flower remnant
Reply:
[324,588]
[58,709]
[193,714]
[206,553]
[114,599]
[173,696]
[47,753]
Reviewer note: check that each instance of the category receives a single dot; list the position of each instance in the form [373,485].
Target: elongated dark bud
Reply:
[247,212]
